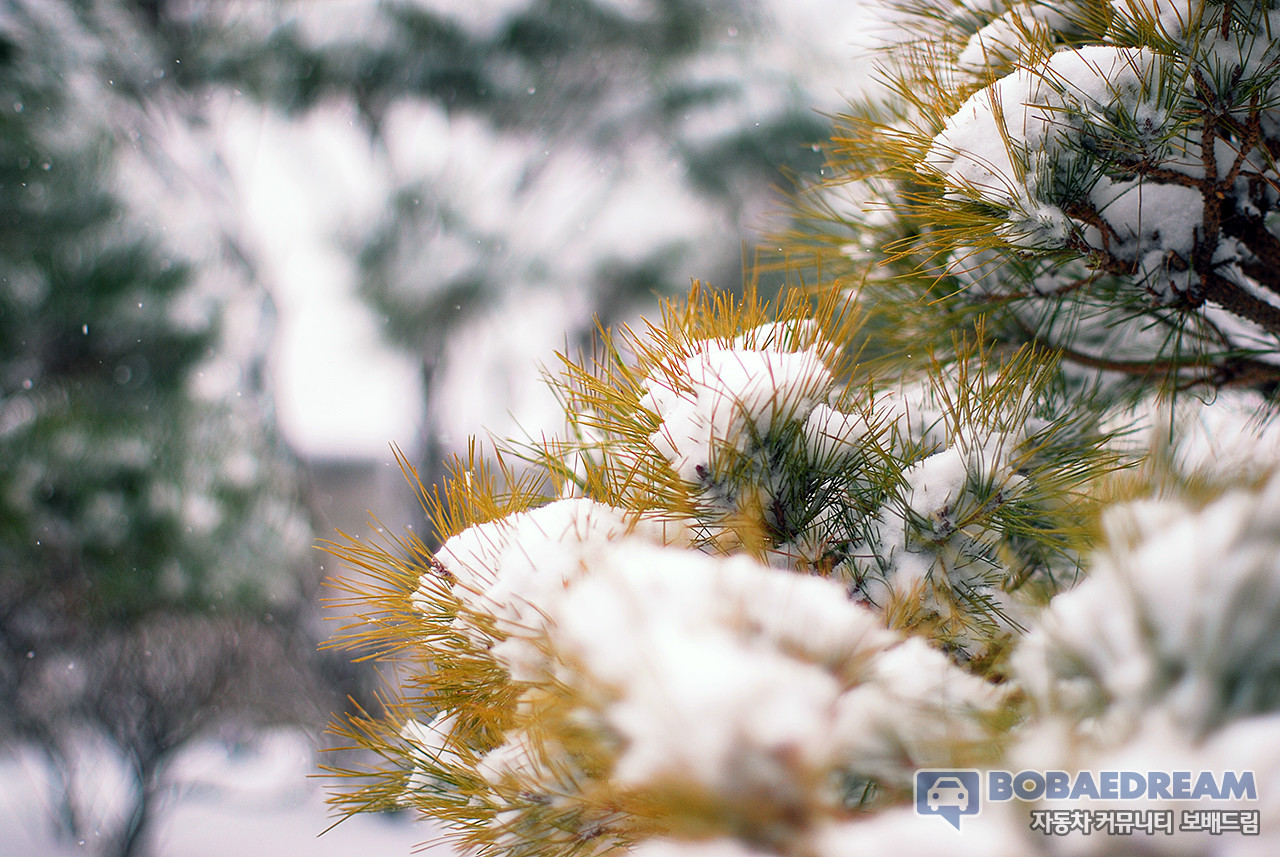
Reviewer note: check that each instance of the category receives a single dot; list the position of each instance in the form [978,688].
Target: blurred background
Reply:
[245,248]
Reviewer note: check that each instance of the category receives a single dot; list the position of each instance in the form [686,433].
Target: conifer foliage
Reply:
[993,489]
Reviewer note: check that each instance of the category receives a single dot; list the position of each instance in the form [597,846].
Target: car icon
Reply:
[947,791]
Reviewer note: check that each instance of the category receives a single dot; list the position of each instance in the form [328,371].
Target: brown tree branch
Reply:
[1265,247]
[1088,214]
[1161,175]
[1226,372]
[1237,301]
[1249,136]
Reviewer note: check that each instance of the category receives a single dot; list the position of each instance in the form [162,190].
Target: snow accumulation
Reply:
[1003,40]
[831,435]
[1162,659]
[728,398]
[1179,614]
[744,685]
[1160,745]
[732,683]
[757,430]
[1069,147]
[734,419]
[1009,142]
[508,570]
[719,672]
[1230,438]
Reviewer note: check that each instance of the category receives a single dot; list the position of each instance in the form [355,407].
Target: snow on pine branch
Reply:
[686,678]
[1178,615]
[1100,176]
[765,584]
[1027,143]
[905,494]
[727,398]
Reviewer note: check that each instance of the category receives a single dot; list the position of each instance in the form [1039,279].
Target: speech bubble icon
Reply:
[948,793]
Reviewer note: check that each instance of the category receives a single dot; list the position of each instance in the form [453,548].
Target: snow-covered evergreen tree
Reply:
[996,489]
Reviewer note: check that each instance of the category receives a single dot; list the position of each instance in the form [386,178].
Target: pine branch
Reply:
[1236,300]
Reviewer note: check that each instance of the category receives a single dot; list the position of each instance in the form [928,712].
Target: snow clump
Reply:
[724,400]
[752,685]
[1028,143]
[1180,615]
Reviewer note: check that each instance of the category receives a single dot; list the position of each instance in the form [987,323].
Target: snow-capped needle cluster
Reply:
[1097,176]
[954,505]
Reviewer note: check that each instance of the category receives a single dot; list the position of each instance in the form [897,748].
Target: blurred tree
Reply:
[528,146]
[141,485]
